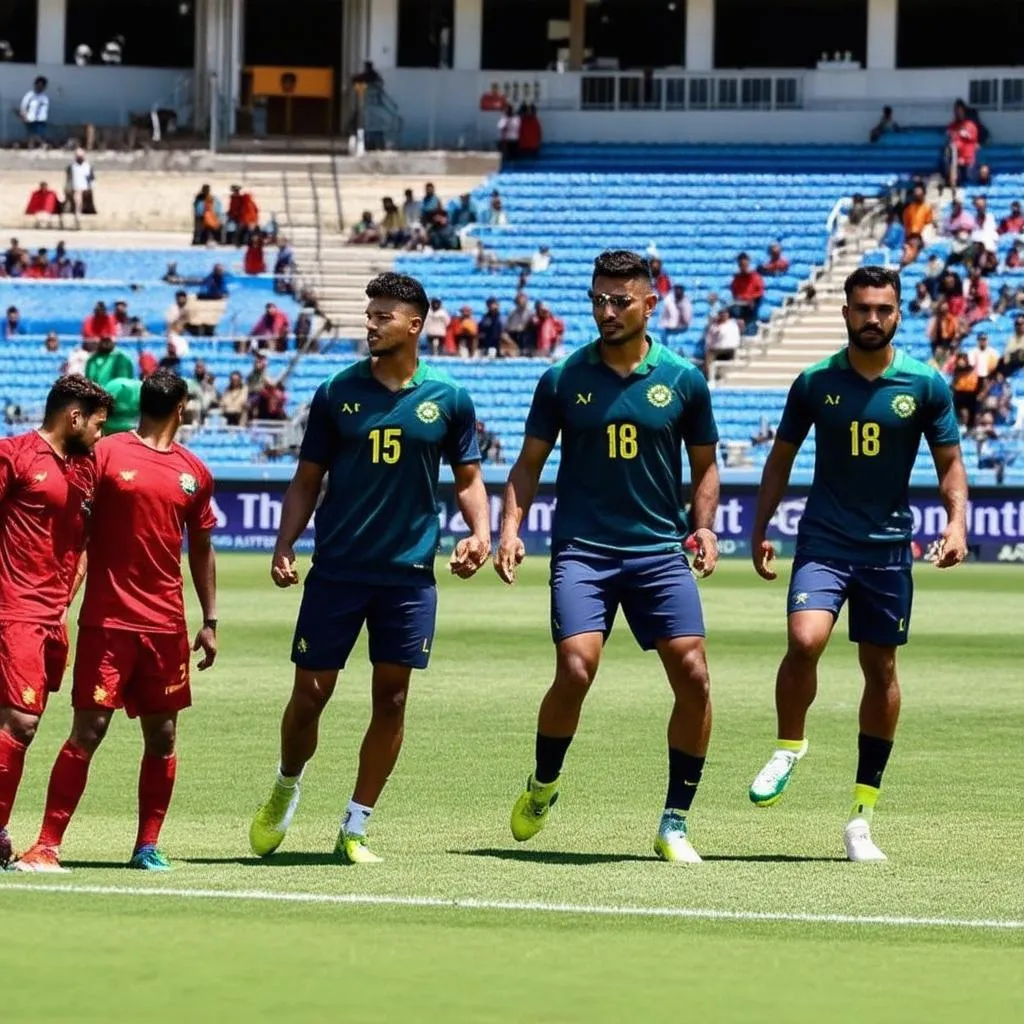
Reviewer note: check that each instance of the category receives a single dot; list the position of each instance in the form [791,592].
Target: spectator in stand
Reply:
[462,338]
[660,281]
[722,344]
[984,175]
[959,220]
[171,360]
[430,205]
[255,262]
[921,303]
[1014,223]
[962,134]
[435,326]
[107,363]
[284,268]
[271,402]
[547,330]
[234,402]
[886,126]
[917,213]
[495,217]
[243,216]
[392,226]
[177,310]
[965,389]
[509,128]
[979,300]
[51,344]
[517,325]
[747,293]
[209,218]
[984,359]
[271,329]
[488,443]
[895,235]
[1013,352]
[412,212]
[911,250]
[462,212]
[13,326]
[489,329]
[365,231]
[35,112]
[12,257]
[676,314]
[441,236]
[531,134]
[44,202]
[81,182]
[214,286]
[984,237]
[776,265]
[100,324]
[933,272]
[952,290]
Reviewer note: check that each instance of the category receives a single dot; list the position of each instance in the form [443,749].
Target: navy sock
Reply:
[684,772]
[872,757]
[551,751]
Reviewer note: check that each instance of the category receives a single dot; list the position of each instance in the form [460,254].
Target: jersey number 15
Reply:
[386,445]
[865,438]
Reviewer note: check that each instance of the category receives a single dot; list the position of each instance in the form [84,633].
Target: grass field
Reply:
[302,939]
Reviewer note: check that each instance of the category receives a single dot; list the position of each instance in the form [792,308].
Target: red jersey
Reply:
[44,503]
[143,502]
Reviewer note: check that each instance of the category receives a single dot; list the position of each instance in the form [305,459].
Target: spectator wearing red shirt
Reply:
[531,134]
[243,216]
[979,299]
[272,327]
[963,141]
[659,279]
[1014,224]
[43,202]
[776,265]
[100,324]
[255,262]
[547,330]
[747,292]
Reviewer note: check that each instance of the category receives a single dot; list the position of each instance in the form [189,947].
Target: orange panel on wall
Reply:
[305,83]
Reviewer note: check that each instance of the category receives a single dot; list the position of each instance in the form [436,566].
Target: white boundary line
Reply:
[460,903]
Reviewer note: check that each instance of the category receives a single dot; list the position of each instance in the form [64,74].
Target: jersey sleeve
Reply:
[320,441]
[698,420]
[939,421]
[460,444]
[797,418]
[8,471]
[201,517]
[544,420]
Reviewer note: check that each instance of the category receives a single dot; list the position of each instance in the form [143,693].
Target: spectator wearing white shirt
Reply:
[722,342]
[35,112]
[676,313]
[80,181]
[984,359]
[985,236]
[435,326]
[509,125]
[411,210]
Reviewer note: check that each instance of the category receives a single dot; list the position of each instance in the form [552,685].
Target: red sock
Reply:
[12,761]
[67,784]
[156,784]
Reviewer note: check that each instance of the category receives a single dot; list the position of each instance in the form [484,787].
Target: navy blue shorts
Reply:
[658,595]
[399,620]
[880,597]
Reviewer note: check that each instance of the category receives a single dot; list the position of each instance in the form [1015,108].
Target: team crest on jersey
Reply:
[99,695]
[188,482]
[904,406]
[659,395]
[28,695]
[428,412]
[128,475]
[39,477]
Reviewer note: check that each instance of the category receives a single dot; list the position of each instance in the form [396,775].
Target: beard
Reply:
[75,445]
[381,347]
[867,341]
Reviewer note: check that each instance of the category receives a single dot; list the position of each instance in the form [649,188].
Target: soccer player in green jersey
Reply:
[624,407]
[378,430]
[870,405]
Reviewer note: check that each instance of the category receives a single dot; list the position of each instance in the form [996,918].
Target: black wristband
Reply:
[210,624]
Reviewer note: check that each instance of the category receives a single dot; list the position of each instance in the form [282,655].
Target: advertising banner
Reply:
[248,515]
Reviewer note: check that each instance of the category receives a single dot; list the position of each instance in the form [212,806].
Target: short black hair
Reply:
[162,392]
[400,287]
[623,264]
[873,277]
[74,389]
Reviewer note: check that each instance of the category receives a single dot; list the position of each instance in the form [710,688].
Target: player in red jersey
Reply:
[133,645]
[46,482]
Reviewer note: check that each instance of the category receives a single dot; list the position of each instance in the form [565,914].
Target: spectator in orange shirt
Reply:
[965,389]
[917,214]
[100,324]
[243,216]
[463,336]
[747,293]
[208,227]
[944,332]
[776,265]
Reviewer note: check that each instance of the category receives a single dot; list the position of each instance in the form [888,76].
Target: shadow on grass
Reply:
[552,856]
[281,860]
[771,858]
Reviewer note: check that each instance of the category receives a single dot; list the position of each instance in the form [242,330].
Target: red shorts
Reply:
[144,673]
[33,657]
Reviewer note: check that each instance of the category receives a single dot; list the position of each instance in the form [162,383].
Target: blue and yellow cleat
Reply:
[352,849]
[149,858]
[269,827]
[530,813]
[772,780]
[673,841]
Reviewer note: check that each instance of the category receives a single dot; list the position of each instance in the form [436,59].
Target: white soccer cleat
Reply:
[771,781]
[860,848]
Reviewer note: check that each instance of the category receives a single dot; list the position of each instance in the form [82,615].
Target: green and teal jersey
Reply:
[619,487]
[378,522]
[127,393]
[867,437]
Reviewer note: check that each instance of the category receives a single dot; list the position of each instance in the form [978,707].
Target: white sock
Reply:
[357,817]
[288,781]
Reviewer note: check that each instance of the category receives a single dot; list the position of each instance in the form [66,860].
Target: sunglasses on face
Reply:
[600,300]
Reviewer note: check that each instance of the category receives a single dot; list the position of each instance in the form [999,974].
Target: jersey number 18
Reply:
[865,438]
[622,442]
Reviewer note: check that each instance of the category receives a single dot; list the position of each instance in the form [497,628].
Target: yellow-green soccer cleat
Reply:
[352,849]
[268,828]
[772,780]
[673,842]
[530,813]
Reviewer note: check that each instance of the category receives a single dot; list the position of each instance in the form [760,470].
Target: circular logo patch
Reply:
[904,406]
[428,412]
[188,482]
[659,395]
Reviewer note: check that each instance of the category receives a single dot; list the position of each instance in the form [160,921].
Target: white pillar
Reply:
[51,17]
[700,35]
[469,28]
[882,35]
[384,35]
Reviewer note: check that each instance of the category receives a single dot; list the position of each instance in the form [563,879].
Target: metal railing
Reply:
[337,192]
[698,91]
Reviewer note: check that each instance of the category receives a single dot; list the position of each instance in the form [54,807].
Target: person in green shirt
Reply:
[870,406]
[126,392]
[108,363]
[624,407]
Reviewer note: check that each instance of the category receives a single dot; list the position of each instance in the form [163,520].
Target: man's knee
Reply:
[21,725]
[312,690]
[575,669]
[687,666]
[159,735]
[390,691]
[89,729]
[808,634]
[878,665]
